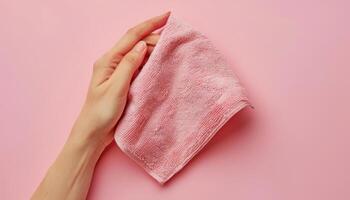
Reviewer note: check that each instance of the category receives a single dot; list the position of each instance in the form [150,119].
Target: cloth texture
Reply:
[183,95]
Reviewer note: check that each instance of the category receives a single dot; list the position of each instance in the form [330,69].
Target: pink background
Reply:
[292,56]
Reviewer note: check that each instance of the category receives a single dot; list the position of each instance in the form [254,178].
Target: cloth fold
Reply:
[183,95]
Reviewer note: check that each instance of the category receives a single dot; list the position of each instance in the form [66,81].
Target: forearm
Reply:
[70,175]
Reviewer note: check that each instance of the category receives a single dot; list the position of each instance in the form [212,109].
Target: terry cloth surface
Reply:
[183,95]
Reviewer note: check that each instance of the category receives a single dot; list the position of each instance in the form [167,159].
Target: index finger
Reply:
[135,34]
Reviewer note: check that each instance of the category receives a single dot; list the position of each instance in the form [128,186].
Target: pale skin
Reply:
[70,175]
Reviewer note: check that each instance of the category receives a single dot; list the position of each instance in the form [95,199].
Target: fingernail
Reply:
[167,13]
[140,46]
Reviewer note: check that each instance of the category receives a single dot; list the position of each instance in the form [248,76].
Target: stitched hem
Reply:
[194,149]
[231,107]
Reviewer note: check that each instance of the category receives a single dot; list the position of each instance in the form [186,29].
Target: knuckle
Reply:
[99,61]
[139,30]
[131,58]
[133,32]
[130,31]
[97,64]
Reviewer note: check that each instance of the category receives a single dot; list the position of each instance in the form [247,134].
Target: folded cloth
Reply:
[183,95]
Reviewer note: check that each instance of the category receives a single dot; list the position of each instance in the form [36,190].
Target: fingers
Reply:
[150,50]
[122,75]
[137,33]
[105,67]
[151,39]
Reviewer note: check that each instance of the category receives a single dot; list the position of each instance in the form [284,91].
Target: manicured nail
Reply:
[140,46]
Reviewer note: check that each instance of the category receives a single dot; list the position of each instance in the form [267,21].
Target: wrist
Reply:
[91,132]
[88,146]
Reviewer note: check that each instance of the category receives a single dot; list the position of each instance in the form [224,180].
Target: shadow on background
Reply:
[114,159]
[230,133]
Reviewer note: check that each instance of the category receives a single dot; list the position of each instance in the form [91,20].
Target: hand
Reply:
[112,75]
[70,175]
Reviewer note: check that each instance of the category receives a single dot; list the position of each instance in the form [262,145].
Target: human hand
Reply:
[111,78]
[70,175]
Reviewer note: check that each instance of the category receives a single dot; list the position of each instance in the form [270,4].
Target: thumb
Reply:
[124,72]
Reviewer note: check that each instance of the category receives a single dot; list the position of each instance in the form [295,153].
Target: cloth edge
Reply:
[234,110]
[242,103]
[230,111]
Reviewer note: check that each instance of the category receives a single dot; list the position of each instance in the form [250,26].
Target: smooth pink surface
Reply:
[292,56]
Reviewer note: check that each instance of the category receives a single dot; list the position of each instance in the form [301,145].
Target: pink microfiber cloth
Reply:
[183,95]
